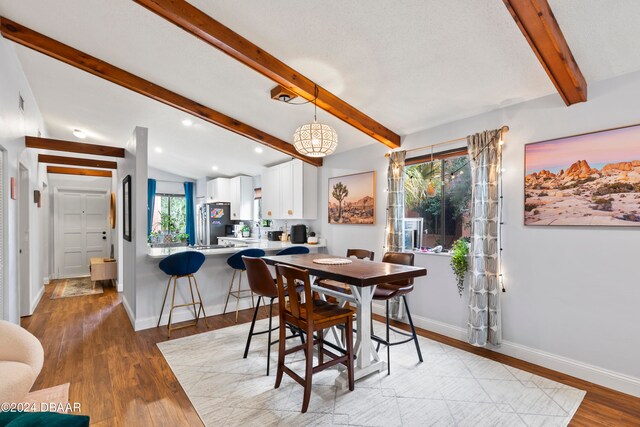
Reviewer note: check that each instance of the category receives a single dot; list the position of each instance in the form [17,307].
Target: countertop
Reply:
[265,245]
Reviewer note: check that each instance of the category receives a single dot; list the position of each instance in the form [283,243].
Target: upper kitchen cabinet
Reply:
[218,190]
[271,193]
[290,191]
[241,198]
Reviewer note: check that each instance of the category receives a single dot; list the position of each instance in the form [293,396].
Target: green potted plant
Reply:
[182,237]
[460,261]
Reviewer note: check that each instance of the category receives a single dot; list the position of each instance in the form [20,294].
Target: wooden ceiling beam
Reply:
[76,161]
[539,26]
[201,25]
[83,61]
[72,147]
[78,171]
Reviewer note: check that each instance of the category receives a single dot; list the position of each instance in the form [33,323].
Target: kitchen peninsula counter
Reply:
[240,244]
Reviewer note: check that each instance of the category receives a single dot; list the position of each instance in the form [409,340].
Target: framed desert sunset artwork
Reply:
[589,179]
[352,199]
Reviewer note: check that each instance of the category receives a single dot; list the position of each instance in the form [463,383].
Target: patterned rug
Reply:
[75,287]
[451,388]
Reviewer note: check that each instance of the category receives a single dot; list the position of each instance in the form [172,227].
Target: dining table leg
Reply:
[367,359]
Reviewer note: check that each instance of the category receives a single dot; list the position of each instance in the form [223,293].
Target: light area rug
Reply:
[75,287]
[450,388]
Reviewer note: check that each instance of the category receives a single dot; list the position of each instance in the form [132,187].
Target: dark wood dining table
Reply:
[362,276]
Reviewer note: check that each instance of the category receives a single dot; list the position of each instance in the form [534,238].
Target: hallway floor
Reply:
[120,378]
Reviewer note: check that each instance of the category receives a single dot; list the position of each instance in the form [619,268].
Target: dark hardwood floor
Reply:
[121,379]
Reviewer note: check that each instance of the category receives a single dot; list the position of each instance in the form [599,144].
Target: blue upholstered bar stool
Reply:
[294,250]
[237,264]
[183,264]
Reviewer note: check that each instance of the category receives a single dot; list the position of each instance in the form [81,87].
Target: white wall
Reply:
[135,251]
[14,125]
[572,292]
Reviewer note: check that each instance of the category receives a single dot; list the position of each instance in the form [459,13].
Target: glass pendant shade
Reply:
[315,139]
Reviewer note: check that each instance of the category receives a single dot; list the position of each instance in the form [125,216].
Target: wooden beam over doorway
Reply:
[76,161]
[73,147]
[78,171]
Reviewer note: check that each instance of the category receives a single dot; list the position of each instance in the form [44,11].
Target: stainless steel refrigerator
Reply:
[213,222]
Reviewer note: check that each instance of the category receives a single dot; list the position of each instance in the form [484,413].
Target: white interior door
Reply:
[82,222]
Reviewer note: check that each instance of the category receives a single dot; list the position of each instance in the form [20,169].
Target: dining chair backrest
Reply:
[182,263]
[360,254]
[403,258]
[235,260]
[260,279]
[288,278]
[294,250]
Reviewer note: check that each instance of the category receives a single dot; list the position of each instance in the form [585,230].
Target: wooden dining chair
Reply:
[310,316]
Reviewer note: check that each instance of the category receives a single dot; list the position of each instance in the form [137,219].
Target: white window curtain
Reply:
[485,159]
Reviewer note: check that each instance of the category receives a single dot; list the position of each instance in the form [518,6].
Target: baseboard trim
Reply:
[604,377]
[184,314]
[127,308]
[36,300]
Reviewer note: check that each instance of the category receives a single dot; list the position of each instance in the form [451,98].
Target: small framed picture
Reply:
[126,208]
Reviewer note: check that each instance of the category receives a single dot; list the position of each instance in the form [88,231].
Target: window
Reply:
[173,206]
[437,206]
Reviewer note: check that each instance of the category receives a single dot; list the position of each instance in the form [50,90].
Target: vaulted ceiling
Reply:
[410,67]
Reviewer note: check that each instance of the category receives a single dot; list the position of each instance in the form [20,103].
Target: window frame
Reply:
[440,156]
[171,195]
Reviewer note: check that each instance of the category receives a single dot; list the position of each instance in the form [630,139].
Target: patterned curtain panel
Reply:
[484,294]
[395,202]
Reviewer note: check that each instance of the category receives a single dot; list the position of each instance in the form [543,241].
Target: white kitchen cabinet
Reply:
[241,198]
[218,190]
[290,191]
[271,193]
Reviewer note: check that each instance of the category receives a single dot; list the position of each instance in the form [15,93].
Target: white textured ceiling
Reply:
[410,65]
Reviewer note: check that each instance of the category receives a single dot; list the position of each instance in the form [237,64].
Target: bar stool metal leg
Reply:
[193,300]
[233,276]
[413,329]
[173,300]
[204,314]
[238,294]
[164,302]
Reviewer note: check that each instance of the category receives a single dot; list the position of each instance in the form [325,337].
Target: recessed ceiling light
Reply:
[187,122]
[79,134]
[258,150]
[158,149]
[214,168]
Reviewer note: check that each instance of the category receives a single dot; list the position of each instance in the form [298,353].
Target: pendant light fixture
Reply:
[315,139]
[431,189]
